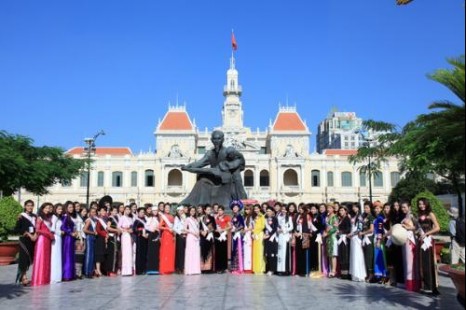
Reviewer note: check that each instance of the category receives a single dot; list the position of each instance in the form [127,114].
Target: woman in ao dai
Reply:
[56,275]
[410,253]
[68,228]
[167,242]
[192,262]
[285,230]
[153,243]
[125,223]
[42,254]
[357,264]
[258,264]
[247,244]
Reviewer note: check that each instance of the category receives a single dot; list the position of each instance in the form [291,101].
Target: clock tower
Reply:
[232,112]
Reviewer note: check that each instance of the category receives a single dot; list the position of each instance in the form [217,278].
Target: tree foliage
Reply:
[411,185]
[23,165]
[378,149]
[403,2]
[9,212]
[433,142]
[437,208]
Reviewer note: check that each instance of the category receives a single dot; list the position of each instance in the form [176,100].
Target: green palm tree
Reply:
[449,118]
[403,2]
[433,142]
[444,127]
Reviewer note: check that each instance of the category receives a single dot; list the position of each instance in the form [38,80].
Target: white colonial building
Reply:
[278,162]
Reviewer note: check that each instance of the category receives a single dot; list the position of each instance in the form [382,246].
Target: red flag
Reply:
[234,45]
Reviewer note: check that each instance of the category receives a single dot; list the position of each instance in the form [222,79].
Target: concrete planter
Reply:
[8,252]
[457,276]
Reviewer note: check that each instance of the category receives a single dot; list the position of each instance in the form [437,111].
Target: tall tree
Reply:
[411,185]
[23,165]
[444,128]
[377,149]
[433,142]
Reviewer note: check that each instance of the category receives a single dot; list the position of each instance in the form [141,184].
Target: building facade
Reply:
[340,130]
[278,162]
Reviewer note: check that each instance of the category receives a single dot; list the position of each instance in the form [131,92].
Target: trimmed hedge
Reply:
[10,209]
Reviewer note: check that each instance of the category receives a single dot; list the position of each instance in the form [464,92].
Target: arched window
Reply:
[264,178]
[248,178]
[346,179]
[117,179]
[330,180]
[378,179]
[134,179]
[149,178]
[100,178]
[362,179]
[83,179]
[395,178]
[290,178]
[315,175]
[175,178]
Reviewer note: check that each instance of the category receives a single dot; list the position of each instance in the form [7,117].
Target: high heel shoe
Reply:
[25,282]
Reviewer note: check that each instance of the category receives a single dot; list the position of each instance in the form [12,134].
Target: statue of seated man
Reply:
[222,182]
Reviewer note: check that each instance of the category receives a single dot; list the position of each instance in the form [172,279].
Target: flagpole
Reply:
[232,48]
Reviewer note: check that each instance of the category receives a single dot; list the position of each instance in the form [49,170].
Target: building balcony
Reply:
[238,90]
[173,189]
[291,189]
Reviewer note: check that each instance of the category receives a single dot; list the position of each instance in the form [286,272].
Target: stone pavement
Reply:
[216,292]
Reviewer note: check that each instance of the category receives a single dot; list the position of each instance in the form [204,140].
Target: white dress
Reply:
[56,263]
[127,260]
[247,247]
[357,264]
[283,242]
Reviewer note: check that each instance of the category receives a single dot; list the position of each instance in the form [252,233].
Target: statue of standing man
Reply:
[222,182]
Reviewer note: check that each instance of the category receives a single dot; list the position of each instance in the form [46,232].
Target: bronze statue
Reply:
[222,182]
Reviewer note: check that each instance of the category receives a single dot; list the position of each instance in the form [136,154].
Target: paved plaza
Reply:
[216,292]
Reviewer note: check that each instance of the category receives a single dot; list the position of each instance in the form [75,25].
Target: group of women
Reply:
[67,242]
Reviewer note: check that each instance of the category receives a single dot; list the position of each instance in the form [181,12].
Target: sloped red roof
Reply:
[289,121]
[100,151]
[175,120]
[340,152]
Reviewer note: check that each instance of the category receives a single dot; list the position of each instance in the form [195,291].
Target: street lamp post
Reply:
[368,138]
[370,178]
[90,149]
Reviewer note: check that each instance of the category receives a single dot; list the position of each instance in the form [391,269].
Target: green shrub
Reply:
[445,256]
[459,267]
[437,207]
[10,209]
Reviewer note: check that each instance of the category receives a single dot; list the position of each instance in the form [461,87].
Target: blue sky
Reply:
[71,68]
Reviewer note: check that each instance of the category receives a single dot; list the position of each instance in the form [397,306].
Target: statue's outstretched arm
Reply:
[204,161]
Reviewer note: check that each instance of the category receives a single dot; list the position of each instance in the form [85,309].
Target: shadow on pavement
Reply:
[398,298]
[11,291]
